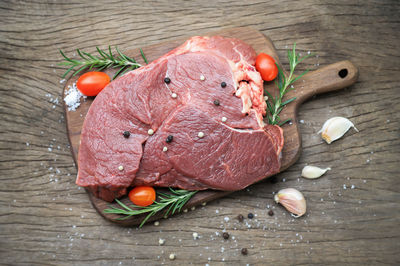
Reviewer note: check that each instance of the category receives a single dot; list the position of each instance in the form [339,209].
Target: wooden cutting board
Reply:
[329,78]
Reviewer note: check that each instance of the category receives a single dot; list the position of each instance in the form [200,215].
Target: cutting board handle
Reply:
[329,78]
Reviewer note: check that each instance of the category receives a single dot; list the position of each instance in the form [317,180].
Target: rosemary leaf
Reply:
[144,57]
[288,101]
[119,71]
[89,56]
[101,67]
[123,205]
[278,112]
[268,94]
[122,56]
[65,57]
[111,56]
[101,53]
[281,77]
[284,122]
[66,72]
[305,57]
[80,54]
[79,70]
[270,107]
[299,76]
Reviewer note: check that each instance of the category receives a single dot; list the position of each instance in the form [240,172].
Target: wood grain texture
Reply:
[45,219]
[323,80]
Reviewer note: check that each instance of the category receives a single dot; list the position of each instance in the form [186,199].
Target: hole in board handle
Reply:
[343,73]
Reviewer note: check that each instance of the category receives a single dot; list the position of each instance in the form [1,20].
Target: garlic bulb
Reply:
[292,200]
[312,172]
[335,127]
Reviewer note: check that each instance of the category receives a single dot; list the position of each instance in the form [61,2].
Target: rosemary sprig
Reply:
[174,202]
[105,60]
[276,104]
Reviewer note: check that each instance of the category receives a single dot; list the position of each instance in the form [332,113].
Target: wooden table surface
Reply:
[353,211]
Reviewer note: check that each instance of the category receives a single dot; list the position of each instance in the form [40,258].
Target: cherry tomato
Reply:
[91,83]
[265,64]
[142,196]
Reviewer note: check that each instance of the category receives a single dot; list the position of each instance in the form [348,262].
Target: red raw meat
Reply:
[237,148]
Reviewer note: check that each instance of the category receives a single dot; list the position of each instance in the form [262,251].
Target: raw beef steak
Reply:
[195,118]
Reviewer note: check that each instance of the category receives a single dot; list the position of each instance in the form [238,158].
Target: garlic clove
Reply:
[292,200]
[335,127]
[312,172]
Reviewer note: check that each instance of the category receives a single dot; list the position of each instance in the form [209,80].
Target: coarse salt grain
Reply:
[174,95]
[224,119]
[165,149]
[202,77]
[161,241]
[73,97]
[200,135]
[172,256]
[150,132]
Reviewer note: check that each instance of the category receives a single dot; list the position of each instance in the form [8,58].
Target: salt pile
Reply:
[73,97]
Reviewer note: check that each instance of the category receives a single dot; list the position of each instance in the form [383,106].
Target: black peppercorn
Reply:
[126,134]
[169,138]
[273,180]
[223,84]
[225,235]
[244,251]
[240,218]
[250,215]
[271,213]
[216,102]
[167,80]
